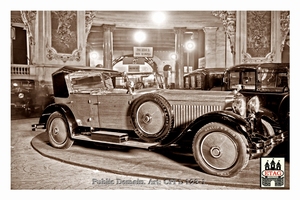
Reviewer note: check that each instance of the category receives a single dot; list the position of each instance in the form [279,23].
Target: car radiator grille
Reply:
[185,114]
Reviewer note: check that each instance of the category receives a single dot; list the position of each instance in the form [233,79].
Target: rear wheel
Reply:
[219,150]
[58,131]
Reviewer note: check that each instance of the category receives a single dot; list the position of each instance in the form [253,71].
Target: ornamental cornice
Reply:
[108,27]
[89,17]
[247,58]
[53,55]
[28,18]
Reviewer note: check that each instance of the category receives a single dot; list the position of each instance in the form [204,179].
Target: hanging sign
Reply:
[142,51]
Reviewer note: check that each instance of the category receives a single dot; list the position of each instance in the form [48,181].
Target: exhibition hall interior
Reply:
[150,99]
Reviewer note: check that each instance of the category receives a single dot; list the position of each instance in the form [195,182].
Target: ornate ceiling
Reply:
[161,37]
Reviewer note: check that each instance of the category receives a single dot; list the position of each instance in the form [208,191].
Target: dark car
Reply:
[268,81]
[220,128]
[204,79]
[28,96]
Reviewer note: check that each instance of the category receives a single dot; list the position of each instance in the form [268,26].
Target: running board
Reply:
[107,136]
[114,138]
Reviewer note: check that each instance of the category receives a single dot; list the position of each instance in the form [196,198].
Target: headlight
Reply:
[239,105]
[253,105]
[21,95]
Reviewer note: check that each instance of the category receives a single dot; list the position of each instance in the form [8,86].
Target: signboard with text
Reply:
[142,51]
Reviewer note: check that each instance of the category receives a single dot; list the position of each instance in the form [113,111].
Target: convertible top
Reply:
[70,69]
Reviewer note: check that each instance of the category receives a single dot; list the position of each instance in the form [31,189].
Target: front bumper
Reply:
[257,149]
[34,127]
[18,105]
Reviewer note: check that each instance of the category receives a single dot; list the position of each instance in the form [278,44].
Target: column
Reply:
[179,64]
[108,45]
[210,46]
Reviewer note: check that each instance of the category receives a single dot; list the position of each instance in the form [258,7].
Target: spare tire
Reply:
[152,117]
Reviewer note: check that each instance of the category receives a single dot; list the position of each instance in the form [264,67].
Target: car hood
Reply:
[195,95]
[178,96]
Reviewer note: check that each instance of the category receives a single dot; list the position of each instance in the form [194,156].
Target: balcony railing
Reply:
[20,70]
[23,71]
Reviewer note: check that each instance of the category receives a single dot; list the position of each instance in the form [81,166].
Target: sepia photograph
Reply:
[156,99]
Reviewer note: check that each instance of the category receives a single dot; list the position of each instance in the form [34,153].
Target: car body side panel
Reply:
[113,111]
[83,108]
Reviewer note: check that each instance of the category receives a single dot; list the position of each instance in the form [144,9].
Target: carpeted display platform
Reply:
[143,163]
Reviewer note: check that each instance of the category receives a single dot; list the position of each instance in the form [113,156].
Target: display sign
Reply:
[142,51]
[133,68]
[131,60]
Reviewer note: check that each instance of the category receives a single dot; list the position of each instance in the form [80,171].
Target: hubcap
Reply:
[150,117]
[215,152]
[58,131]
[218,150]
[147,118]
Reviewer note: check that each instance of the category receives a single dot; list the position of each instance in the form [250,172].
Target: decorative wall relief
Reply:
[229,23]
[28,18]
[64,40]
[89,16]
[258,33]
[284,27]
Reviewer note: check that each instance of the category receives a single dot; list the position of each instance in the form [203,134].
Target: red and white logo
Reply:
[272,172]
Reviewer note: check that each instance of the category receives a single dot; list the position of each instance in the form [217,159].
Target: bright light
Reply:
[158,17]
[190,45]
[173,56]
[94,55]
[140,36]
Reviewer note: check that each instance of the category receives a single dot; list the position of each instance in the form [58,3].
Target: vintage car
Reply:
[205,79]
[268,81]
[27,96]
[220,128]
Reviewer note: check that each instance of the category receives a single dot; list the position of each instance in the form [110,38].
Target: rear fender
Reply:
[62,108]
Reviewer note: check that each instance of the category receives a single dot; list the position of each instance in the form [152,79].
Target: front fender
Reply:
[228,118]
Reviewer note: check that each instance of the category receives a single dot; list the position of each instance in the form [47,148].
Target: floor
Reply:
[29,170]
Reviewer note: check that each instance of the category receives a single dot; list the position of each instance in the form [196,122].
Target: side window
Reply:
[234,79]
[86,84]
[248,80]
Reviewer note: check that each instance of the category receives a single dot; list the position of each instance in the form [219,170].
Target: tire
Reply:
[270,132]
[219,150]
[152,118]
[58,131]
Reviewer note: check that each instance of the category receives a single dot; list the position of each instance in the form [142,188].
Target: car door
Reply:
[84,107]
[113,110]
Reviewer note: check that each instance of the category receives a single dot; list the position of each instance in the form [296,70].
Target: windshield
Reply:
[22,84]
[264,80]
[146,80]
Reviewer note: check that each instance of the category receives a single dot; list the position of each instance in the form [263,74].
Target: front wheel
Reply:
[58,131]
[219,150]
